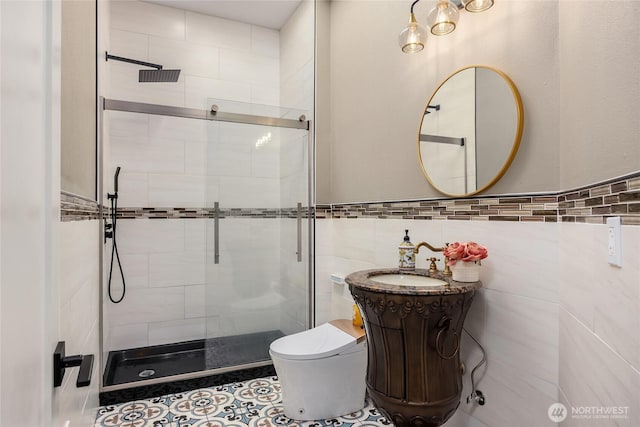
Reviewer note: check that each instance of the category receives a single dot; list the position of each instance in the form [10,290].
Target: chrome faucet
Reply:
[432,267]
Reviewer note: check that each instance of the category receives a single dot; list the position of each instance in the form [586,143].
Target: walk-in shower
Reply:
[214,236]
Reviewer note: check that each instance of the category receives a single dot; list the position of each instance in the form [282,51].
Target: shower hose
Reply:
[114,250]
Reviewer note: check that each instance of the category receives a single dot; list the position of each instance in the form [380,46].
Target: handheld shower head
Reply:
[115,181]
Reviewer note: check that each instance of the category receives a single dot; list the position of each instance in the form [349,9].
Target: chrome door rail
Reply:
[193,113]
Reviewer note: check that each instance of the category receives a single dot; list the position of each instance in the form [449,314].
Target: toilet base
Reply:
[323,388]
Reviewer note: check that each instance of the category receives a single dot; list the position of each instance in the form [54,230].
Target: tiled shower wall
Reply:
[558,323]
[178,167]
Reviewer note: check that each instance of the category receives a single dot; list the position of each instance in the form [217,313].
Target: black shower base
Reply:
[160,361]
[171,387]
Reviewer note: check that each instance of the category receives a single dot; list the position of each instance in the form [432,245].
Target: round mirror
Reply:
[470,131]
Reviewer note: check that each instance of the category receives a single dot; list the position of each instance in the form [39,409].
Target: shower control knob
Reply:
[108,234]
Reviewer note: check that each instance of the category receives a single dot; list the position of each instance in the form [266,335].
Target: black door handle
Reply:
[60,363]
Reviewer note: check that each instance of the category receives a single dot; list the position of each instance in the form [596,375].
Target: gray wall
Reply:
[578,84]
[599,97]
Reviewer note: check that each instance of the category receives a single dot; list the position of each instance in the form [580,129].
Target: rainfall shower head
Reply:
[159,75]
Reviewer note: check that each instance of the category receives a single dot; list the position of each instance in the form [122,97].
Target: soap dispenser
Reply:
[406,254]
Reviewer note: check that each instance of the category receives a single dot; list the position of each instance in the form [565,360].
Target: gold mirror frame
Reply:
[516,142]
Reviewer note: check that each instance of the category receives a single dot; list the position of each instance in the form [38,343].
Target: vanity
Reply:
[413,321]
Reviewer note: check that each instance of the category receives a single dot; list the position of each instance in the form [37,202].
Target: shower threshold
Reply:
[160,361]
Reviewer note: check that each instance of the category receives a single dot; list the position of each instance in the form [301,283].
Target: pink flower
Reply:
[475,252]
[455,251]
[466,252]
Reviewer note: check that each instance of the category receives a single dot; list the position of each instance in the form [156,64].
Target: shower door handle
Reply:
[216,232]
[299,225]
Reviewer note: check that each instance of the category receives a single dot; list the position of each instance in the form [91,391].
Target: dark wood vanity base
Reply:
[414,373]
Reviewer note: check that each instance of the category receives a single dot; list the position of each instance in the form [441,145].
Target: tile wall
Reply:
[559,324]
[173,170]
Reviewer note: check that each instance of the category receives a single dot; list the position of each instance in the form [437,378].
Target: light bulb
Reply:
[443,18]
[413,37]
[477,5]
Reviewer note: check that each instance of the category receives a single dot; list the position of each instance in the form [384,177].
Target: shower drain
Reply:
[146,373]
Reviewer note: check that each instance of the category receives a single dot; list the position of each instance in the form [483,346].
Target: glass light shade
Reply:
[477,5]
[443,18]
[413,37]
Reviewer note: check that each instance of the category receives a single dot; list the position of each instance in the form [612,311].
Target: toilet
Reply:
[322,370]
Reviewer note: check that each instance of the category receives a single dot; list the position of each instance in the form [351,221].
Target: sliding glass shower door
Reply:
[257,264]
[213,233]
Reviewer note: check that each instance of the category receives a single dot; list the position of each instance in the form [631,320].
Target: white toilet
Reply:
[322,371]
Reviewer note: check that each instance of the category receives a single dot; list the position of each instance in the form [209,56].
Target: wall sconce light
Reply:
[442,19]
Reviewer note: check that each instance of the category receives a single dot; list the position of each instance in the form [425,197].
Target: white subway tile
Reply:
[134,266]
[603,297]
[247,192]
[218,32]
[591,374]
[265,41]
[269,95]
[191,58]
[176,190]
[212,191]
[522,331]
[511,394]
[132,189]
[145,305]
[355,240]
[195,234]
[176,269]
[265,159]
[125,124]
[122,337]
[231,158]
[199,90]
[138,155]
[148,18]
[246,68]
[195,301]
[176,331]
[509,259]
[142,236]
[195,158]
[178,128]
[128,44]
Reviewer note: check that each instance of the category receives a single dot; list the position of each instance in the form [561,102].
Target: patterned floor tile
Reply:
[253,403]
[200,404]
[141,413]
[370,416]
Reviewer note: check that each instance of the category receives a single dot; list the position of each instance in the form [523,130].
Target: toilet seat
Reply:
[317,343]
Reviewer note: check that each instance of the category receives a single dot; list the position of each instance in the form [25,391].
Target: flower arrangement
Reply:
[466,252]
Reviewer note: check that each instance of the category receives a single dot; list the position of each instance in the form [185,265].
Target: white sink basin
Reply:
[407,280]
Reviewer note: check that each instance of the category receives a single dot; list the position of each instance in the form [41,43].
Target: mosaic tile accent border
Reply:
[76,208]
[256,403]
[182,213]
[590,204]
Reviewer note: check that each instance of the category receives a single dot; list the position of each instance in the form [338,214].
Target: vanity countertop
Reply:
[364,279]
